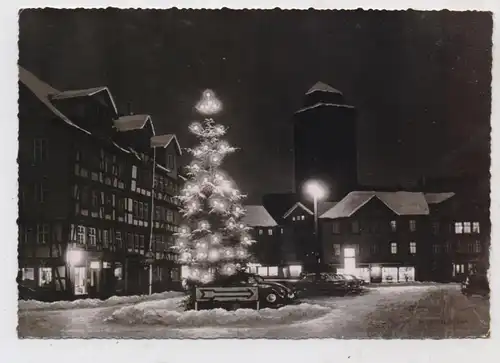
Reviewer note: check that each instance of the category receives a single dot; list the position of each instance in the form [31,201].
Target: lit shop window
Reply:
[394,248]
[413,247]
[45,276]
[295,270]
[28,273]
[475,227]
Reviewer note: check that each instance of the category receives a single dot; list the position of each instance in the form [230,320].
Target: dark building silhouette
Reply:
[325,141]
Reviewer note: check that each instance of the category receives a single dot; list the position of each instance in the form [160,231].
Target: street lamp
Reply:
[317,191]
[74,257]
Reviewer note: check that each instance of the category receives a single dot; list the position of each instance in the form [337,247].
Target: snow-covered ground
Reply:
[94,303]
[322,317]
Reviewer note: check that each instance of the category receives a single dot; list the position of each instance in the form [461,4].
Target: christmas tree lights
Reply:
[214,241]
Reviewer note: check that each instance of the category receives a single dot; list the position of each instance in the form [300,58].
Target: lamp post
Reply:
[316,190]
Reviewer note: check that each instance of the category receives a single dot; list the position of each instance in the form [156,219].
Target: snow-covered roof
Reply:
[295,206]
[323,104]
[165,140]
[401,203]
[323,87]
[43,91]
[132,122]
[83,93]
[324,206]
[258,216]
[436,198]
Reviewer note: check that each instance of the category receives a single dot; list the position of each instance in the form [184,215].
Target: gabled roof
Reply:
[165,140]
[325,206]
[436,198]
[322,104]
[257,216]
[43,91]
[295,206]
[85,93]
[401,203]
[132,122]
[323,87]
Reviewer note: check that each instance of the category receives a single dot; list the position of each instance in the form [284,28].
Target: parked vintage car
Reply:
[325,284]
[358,282]
[271,294]
[476,284]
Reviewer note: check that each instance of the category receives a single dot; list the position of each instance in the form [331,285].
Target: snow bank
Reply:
[173,316]
[94,303]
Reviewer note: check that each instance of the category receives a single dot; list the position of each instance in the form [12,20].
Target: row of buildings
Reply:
[438,230]
[97,210]
[96,188]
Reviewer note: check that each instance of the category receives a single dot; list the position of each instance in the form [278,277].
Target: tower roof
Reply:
[323,87]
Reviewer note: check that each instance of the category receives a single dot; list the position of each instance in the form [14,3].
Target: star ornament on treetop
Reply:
[209,103]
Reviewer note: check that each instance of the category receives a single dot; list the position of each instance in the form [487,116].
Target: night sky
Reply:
[420,80]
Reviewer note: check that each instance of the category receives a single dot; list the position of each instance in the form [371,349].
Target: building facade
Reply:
[96,188]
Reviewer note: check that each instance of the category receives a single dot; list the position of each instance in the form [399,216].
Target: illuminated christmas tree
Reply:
[213,242]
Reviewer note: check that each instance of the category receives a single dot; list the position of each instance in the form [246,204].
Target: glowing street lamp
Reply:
[317,191]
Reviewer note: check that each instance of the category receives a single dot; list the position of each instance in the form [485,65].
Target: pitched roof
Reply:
[401,203]
[84,93]
[322,87]
[257,216]
[165,140]
[436,198]
[324,206]
[295,206]
[132,122]
[43,91]
[322,104]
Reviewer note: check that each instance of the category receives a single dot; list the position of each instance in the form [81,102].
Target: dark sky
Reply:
[420,80]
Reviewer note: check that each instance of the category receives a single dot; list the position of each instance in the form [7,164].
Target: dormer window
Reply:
[170,162]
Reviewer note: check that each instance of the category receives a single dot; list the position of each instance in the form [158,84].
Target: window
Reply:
[281,230]
[336,249]
[157,213]
[95,199]
[146,211]
[118,239]
[45,276]
[41,192]
[355,227]
[394,226]
[293,218]
[170,162]
[80,235]
[40,150]
[336,227]
[470,247]
[141,210]
[270,232]
[42,233]
[136,208]
[92,236]
[435,249]
[435,228]
[134,172]
[477,247]
[467,227]
[459,228]
[394,248]
[136,241]
[475,227]
[260,231]
[413,247]
[141,241]
[374,248]
[413,225]
[170,216]
[105,238]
